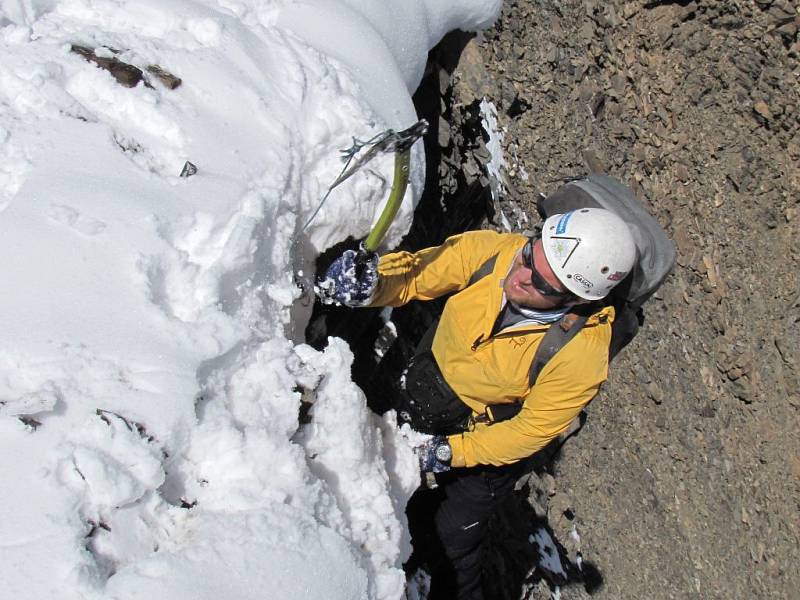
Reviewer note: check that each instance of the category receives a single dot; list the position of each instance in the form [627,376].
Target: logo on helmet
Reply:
[583,281]
[562,248]
[561,226]
[618,276]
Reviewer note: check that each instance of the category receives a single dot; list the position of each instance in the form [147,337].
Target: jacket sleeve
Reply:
[565,386]
[433,272]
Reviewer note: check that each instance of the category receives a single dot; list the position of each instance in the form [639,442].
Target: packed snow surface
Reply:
[152,367]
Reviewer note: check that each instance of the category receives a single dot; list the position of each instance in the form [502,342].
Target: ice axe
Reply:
[402,159]
[399,142]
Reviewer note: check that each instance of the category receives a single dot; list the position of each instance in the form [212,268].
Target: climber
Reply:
[469,382]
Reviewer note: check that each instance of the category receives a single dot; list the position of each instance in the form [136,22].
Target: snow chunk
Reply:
[280,550]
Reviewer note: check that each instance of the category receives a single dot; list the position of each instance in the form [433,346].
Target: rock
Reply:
[781,13]
[629,9]
[594,163]
[443,134]
[742,390]
[188,169]
[560,506]
[471,170]
[619,84]
[736,180]
[663,30]
[125,74]
[518,107]
[771,217]
[667,84]
[168,79]
[761,108]
[757,551]
[686,246]
[597,105]
[654,392]
[482,154]
[548,484]
[792,382]
[734,373]
[586,32]
[472,71]
[708,411]
[789,27]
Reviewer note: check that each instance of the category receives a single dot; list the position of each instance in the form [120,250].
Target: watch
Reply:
[443,452]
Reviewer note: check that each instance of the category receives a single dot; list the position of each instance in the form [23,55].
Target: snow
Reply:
[549,557]
[495,147]
[497,164]
[153,365]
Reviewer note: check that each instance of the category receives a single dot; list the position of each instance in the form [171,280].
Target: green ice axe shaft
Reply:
[399,185]
[401,144]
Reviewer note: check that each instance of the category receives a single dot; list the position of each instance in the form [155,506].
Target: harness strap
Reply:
[484,270]
[556,337]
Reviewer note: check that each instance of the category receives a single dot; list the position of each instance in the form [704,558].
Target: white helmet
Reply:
[589,249]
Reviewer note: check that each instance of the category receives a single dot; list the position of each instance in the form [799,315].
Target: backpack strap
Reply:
[556,337]
[486,268]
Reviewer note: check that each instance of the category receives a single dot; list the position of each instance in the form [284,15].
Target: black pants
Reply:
[449,524]
[449,527]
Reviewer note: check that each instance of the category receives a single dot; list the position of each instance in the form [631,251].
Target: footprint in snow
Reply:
[69,216]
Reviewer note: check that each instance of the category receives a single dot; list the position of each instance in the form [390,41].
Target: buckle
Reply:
[475,419]
[568,321]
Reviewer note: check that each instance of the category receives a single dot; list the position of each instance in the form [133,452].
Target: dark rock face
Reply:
[685,481]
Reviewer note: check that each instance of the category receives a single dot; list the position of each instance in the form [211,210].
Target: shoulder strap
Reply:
[556,337]
[483,270]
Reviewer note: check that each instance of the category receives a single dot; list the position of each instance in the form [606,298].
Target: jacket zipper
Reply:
[477,342]
[505,333]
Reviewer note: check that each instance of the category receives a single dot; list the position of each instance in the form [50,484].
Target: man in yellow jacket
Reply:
[506,291]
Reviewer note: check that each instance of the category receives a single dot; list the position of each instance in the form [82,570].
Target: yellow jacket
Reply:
[484,369]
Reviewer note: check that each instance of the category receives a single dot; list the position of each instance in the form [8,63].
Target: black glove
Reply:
[435,455]
[351,279]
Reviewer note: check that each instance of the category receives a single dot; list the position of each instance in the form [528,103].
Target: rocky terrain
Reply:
[685,480]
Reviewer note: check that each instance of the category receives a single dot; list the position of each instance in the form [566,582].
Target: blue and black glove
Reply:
[351,279]
[435,455]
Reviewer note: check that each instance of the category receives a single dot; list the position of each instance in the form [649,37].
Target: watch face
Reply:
[444,453]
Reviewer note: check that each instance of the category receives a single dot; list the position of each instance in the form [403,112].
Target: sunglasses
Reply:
[539,284]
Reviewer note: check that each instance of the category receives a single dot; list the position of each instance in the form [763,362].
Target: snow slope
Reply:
[152,365]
